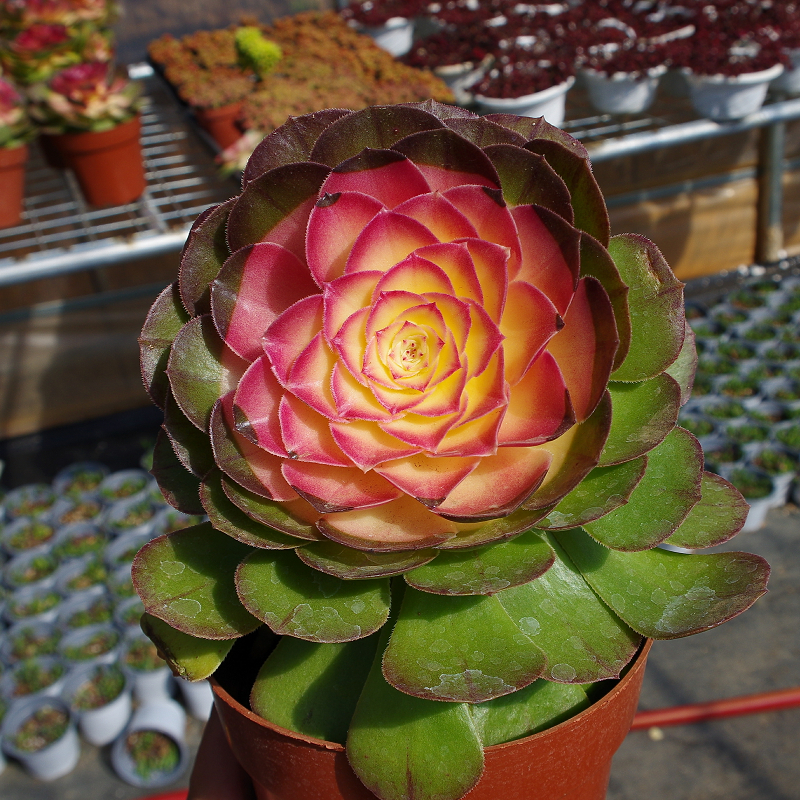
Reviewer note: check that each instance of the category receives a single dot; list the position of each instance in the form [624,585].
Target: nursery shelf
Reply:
[60,234]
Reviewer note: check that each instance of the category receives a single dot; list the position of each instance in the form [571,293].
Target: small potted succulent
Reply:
[40,735]
[390,23]
[525,85]
[429,406]
[35,567]
[100,698]
[758,488]
[122,484]
[91,113]
[79,479]
[82,576]
[81,610]
[781,466]
[41,675]
[15,132]
[25,533]
[27,640]
[94,644]
[77,540]
[30,500]
[70,510]
[39,604]
[150,676]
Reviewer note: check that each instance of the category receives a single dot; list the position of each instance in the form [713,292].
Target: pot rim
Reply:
[636,664]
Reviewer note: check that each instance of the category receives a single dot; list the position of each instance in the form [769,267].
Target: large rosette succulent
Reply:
[408,375]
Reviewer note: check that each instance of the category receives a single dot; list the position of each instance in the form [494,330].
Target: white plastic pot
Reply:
[198,697]
[723,97]
[621,93]
[101,725]
[789,81]
[51,762]
[395,36]
[166,717]
[549,103]
[148,686]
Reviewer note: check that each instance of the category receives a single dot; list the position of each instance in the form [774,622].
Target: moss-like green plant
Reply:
[256,52]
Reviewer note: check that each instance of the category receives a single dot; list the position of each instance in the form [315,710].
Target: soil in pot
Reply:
[29,501]
[31,570]
[79,479]
[27,641]
[33,606]
[27,534]
[45,726]
[120,485]
[82,539]
[94,613]
[101,688]
[142,656]
[36,674]
[94,574]
[77,511]
[95,646]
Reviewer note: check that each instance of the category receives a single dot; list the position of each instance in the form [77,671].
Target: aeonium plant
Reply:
[92,96]
[15,125]
[410,377]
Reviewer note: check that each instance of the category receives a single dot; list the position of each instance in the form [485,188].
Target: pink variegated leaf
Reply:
[307,435]
[353,400]
[498,485]
[447,160]
[529,322]
[485,392]
[385,241]
[366,445]
[333,489]
[291,333]
[345,297]
[334,224]
[539,407]
[385,175]
[416,275]
[201,368]
[403,524]
[310,377]
[478,437]
[428,479]
[585,347]
[486,209]
[275,207]
[255,408]
[456,262]
[550,254]
[439,215]
[244,462]
[254,287]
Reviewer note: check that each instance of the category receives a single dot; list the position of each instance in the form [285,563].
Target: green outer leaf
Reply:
[597,262]
[204,253]
[345,562]
[719,516]
[180,488]
[268,512]
[666,595]
[526,178]
[201,369]
[403,747]
[482,132]
[537,707]
[485,570]
[312,688]
[378,127]
[270,198]
[642,416]
[661,500]
[229,519]
[192,446]
[192,658]
[461,649]
[582,639]
[684,367]
[296,600]
[601,491]
[164,319]
[495,530]
[186,578]
[588,203]
[656,305]
[290,143]
[442,146]
[584,443]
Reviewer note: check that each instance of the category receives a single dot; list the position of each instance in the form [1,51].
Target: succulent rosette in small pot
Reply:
[409,376]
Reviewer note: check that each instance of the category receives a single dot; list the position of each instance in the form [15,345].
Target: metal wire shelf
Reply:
[59,233]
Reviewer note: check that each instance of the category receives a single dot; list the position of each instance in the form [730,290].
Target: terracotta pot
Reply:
[220,123]
[12,179]
[571,761]
[107,164]
[52,155]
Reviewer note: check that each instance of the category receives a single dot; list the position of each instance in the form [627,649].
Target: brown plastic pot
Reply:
[571,761]
[107,164]
[12,179]
[220,123]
